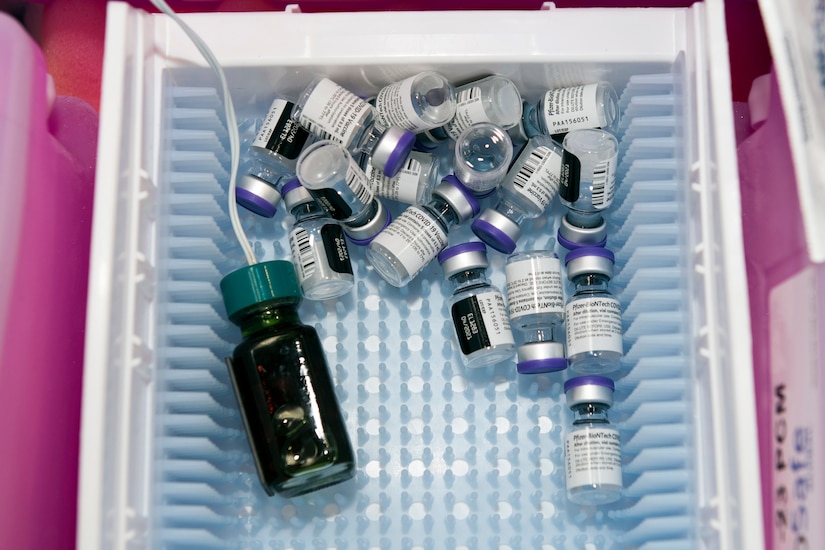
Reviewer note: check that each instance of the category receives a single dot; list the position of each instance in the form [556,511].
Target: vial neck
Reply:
[590,413]
[511,210]
[442,211]
[583,218]
[307,211]
[265,316]
[469,278]
[591,283]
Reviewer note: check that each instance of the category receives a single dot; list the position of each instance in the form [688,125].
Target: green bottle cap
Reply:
[263,282]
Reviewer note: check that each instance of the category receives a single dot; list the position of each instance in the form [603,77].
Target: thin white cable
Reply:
[231,123]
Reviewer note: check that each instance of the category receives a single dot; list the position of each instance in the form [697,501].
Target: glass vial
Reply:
[332,112]
[529,187]
[421,102]
[283,386]
[492,99]
[412,185]
[416,237]
[593,315]
[319,249]
[535,302]
[592,449]
[340,187]
[476,307]
[482,155]
[586,186]
[563,110]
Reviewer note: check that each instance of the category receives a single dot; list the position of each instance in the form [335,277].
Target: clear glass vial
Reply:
[476,307]
[492,99]
[415,182]
[416,237]
[338,184]
[592,315]
[482,155]
[592,448]
[421,102]
[586,186]
[319,249]
[535,302]
[283,386]
[563,110]
[332,112]
[529,187]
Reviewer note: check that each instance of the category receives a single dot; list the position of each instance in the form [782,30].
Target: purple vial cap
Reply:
[493,236]
[570,245]
[398,156]
[291,184]
[584,251]
[539,366]
[455,250]
[471,198]
[254,203]
[365,242]
[591,380]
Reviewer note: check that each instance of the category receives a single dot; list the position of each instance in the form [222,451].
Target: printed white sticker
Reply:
[303,255]
[415,238]
[333,112]
[469,111]
[402,187]
[273,117]
[395,107]
[604,183]
[568,109]
[537,177]
[593,324]
[593,456]
[534,286]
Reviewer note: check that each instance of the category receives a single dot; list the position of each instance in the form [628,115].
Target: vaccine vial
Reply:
[283,386]
[259,190]
[340,187]
[535,302]
[529,187]
[421,102]
[563,110]
[592,315]
[332,112]
[319,249]
[416,237]
[476,307]
[413,184]
[492,99]
[592,449]
[482,155]
[586,186]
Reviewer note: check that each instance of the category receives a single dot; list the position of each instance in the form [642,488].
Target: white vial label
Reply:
[415,238]
[279,133]
[593,456]
[302,254]
[402,187]
[469,111]
[481,322]
[593,324]
[538,178]
[604,183]
[534,286]
[395,107]
[568,109]
[333,112]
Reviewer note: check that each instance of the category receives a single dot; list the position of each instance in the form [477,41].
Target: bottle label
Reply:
[593,456]
[593,324]
[333,112]
[604,183]
[534,286]
[569,176]
[568,109]
[481,321]
[415,238]
[537,180]
[335,246]
[339,205]
[279,133]
[469,111]
[402,187]
[395,107]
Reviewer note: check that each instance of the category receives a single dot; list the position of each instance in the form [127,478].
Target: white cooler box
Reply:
[446,457]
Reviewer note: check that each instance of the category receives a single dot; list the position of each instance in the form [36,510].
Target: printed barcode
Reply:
[318,130]
[470,94]
[530,166]
[357,186]
[600,175]
[302,252]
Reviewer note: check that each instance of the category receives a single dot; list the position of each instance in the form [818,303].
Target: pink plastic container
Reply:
[45,221]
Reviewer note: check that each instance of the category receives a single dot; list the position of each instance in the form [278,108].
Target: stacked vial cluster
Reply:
[334,158]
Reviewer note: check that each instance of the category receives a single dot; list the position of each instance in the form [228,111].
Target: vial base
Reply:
[326,289]
[314,481]
[595,495]
[387,265]
[489,356]
[594,362]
